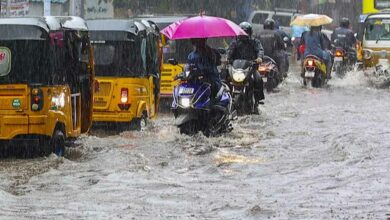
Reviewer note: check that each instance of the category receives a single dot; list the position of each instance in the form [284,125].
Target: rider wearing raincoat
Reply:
[318,44]
[206,60]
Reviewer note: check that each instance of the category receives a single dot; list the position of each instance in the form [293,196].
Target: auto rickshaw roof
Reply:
[48,23]
[379,15]
[163,21]
[66,22]
[122,25]
[38,22]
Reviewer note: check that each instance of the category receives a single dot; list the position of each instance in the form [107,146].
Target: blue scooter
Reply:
[194,108]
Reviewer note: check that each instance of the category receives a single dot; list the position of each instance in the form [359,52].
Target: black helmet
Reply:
[247,27]
[344,22]
[269,23]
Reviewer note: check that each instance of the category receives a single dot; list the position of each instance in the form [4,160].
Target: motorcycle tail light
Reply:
[311,63]
[263,69]
[339,53]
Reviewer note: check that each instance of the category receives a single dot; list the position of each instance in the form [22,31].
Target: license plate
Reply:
[183,90]
[265,79]
[338,59]
[309,74]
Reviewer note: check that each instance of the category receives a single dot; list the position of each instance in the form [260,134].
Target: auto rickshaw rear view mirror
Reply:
[173,61]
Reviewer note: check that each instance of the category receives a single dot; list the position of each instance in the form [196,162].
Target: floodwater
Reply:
[311,154]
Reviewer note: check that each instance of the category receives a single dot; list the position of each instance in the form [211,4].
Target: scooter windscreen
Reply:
[241,64]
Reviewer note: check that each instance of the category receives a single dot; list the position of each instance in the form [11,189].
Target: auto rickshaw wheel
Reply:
[57,143]
[140,124]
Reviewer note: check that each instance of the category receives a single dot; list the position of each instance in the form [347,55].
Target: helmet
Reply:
[344,22]
[269,23]
[247,27]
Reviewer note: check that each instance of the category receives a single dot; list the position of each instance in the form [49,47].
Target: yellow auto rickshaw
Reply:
[375,41]
[127,70]
[46,83]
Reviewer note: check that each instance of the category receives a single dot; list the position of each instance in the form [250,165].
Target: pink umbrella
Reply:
[202,27]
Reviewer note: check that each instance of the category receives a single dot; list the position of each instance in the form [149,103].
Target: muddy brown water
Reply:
[311,154]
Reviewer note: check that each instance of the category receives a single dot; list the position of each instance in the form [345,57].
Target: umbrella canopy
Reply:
[202,27]
[312,20]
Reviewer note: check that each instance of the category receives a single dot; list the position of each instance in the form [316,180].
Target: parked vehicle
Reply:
[314,72]
[46,83]
[127,70]
[193,108]
[270,73]
[171,49]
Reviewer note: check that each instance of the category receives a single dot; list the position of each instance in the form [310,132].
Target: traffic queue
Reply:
[61,75]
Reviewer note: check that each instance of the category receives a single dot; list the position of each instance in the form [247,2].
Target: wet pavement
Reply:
[311,154]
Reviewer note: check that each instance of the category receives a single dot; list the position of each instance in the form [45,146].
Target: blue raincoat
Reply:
[313,45]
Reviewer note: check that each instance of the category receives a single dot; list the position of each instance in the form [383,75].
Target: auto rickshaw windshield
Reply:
[118,59]
[378,29]
[25,61]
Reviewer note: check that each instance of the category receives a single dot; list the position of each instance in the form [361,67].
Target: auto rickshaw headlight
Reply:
[367,54]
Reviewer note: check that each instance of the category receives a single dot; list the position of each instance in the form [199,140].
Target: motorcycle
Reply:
[314,72]
[343,61]
[241,83]
[193,108]
[270,73]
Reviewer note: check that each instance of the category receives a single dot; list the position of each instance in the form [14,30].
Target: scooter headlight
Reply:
[185,102]
[238,76]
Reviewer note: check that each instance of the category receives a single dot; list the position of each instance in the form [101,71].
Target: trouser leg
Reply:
[258,87]
[329,68]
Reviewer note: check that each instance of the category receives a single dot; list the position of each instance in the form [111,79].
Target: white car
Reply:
[257,18]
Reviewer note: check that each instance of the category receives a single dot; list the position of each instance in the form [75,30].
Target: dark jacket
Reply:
[206,60]
[246,49]
[283,35]
[345,38]
[271,41]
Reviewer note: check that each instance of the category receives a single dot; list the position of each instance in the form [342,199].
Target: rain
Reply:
[98,119]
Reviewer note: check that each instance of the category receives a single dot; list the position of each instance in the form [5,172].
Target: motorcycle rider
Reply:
[206,60]
[345,38]
[287,44]
[249,48]
[273,44]
[318,44]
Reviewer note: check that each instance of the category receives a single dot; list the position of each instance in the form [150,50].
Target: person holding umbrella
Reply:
[316,43]
[199,29]
[206,60]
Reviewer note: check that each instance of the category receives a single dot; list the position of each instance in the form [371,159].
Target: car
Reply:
[284,18]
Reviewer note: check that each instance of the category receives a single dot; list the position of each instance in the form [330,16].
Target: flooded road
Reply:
[311,154]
